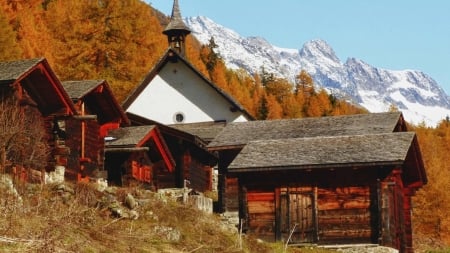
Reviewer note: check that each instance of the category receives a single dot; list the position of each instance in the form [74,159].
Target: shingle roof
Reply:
[12,70]
[207,131]
[176,22]
[128,136]
[78,89]
[240,133]
[336,151]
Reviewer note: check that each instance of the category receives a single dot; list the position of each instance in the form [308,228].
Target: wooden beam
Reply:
[131,149]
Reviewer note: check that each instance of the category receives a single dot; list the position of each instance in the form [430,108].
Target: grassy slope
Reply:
[78,218]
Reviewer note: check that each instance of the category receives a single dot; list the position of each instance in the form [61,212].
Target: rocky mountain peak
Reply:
[415,93]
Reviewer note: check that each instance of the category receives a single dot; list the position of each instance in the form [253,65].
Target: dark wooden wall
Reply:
[311,214]
[344,215]
[93,148]
[396,227]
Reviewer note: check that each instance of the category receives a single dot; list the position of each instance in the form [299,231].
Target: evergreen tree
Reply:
[263,110]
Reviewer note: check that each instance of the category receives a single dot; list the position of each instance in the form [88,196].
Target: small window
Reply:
[178,117]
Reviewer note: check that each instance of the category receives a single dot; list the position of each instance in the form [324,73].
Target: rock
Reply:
[117,211]
[130,202]
[56,176]
[134,215]
[168,233]
[101,184]
[6,184]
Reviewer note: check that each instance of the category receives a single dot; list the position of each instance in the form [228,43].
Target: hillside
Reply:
[80,218]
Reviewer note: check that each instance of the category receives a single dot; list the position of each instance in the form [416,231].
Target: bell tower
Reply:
[176,31]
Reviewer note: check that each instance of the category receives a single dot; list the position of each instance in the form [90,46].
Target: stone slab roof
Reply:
[328,151]
[240,133]
[128,136]
[206,131]
[12,70]
[78,89]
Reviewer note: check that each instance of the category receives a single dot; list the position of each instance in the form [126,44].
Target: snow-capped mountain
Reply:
[413,92]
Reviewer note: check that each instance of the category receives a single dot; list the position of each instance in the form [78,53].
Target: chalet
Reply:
[328,180]
[97,112]
[174,91]
[36,86]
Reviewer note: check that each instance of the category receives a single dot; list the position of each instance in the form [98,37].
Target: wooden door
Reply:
[298,215]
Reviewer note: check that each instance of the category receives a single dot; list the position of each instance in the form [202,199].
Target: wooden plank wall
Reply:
[231,195]
[261,214]
[344,215]
[163,178]
[73,141]
[93,147]
[198,174]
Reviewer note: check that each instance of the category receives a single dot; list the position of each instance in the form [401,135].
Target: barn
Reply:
[327,180]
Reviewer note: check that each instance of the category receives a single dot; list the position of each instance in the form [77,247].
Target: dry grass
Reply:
[77,218]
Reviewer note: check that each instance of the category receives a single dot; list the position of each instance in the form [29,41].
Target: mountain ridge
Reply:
[417,95]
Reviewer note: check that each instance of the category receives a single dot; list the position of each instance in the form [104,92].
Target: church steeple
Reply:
[176,31]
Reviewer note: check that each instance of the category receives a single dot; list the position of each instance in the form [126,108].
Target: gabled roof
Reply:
[14,70]
[398,149]
[238,134]
[137,120]
[130,139]
[41,84]
[78,89]
[172,55]
[327,151]
[99,97]
[129,136]
[179,134]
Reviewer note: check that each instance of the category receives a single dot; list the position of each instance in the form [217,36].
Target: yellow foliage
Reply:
[432,203]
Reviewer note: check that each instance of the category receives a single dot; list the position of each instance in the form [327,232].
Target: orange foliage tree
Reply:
[9,49]
[432,203]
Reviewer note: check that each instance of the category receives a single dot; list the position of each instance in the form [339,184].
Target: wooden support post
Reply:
[277,214]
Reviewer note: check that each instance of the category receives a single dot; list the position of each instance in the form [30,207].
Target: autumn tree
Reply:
[432,203]
[27,20]
[303,83]
[114,40]
[9,49]
[279,88]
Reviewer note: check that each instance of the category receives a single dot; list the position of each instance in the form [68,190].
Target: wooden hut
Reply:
[35,86]
[328,180]
[139,155]
[187,145]
[98,112]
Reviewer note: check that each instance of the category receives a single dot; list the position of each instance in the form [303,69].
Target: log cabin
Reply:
[98,111]
[327,180]
[193,162]
[139,155]
[35,86]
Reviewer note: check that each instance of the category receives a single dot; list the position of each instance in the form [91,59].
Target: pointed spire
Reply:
[176,30]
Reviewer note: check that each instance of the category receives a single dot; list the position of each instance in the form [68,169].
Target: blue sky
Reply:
[390,34]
